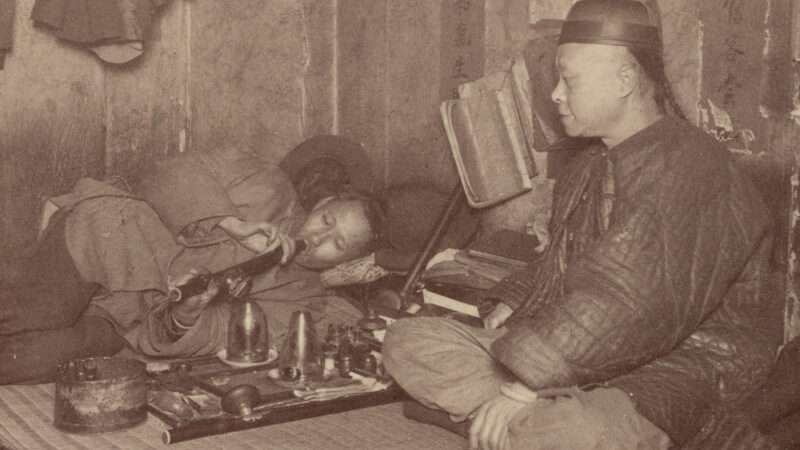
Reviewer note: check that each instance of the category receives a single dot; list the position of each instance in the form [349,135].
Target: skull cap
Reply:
[627,23]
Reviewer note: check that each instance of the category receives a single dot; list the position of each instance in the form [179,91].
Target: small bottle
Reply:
[91,370]
[332,339]
[372,322]
[345,365]
[291,373]
[346,342]
[61,370]
[328,365]
[370,364]
[72,371]
[81,372]
[359,350]
[330,336]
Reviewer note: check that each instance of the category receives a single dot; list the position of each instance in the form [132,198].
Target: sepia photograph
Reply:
[400,224]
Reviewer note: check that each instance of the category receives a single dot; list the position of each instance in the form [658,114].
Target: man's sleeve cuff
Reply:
[536,363]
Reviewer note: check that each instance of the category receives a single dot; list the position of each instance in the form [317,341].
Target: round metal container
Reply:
[100,394]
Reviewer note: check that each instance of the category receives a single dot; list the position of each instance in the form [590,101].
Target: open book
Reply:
[490,132]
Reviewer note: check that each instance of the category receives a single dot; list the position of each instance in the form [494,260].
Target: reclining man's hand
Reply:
[188,310]
[259,237]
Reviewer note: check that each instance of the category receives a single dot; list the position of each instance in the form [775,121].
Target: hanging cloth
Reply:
[6,29]
[80,21]
[114,30]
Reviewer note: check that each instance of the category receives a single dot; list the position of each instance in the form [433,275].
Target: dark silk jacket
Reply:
[673,302]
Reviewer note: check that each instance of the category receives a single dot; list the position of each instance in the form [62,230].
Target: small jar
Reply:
[328,366]
[345,365]
[291,373]
[370,364]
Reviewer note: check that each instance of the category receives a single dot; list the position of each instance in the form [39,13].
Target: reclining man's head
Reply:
[339,228]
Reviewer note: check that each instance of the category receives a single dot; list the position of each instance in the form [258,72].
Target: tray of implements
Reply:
[200,397]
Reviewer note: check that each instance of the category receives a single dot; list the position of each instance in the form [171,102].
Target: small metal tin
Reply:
[113,396]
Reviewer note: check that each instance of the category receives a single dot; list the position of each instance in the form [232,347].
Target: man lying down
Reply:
[98,278]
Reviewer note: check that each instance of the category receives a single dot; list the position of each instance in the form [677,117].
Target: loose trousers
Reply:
[447,365]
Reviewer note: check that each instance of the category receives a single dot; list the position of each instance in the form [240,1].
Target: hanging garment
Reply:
[137,15]
[114,30]
[80,21]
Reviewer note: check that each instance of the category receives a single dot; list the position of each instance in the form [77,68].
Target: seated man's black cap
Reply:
[628,23]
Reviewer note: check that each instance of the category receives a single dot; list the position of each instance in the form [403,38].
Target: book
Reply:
[453,297]
[493,258]
[521,247]
[488,138]
[470,269]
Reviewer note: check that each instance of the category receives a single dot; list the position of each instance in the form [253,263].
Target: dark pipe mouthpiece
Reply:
[249,268]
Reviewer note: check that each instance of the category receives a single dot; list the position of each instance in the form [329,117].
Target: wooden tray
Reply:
[203,385]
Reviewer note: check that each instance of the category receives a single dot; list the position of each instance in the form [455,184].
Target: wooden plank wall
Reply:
[396,63]
[748,72]
[362,65]
[146,100]
[248,60]
[51,132]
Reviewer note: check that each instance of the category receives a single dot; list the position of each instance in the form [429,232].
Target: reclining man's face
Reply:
[335,231]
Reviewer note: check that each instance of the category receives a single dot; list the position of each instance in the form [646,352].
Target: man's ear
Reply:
[323,201]
[628,79]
